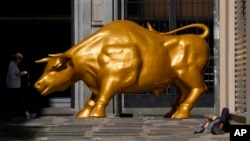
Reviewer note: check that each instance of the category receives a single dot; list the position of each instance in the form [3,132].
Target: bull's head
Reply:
[57,75]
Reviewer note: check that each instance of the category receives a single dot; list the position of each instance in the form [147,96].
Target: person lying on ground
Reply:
[214,124]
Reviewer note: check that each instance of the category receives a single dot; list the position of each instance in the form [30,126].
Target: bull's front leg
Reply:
[120,65]
[87,109]
[108,89]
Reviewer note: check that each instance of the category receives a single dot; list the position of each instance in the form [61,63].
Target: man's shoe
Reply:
[200,129]
[31,116]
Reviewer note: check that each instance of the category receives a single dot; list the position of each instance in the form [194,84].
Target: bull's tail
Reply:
[202,26]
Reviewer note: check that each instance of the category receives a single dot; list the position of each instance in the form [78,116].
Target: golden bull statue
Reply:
[123,57]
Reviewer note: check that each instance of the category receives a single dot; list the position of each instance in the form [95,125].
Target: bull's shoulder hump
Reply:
[119,53]
[121,49]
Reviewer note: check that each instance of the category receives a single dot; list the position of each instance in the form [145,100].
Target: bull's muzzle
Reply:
[37,85]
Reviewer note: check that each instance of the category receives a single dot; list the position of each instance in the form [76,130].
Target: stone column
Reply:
[89,16]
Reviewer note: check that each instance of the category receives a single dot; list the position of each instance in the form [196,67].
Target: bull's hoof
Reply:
[181,115]
[82,114]
[98,113]
[169,114]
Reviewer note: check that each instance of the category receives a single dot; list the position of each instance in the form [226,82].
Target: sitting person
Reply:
[215,125]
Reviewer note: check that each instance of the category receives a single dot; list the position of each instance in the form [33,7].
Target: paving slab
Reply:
[68,128]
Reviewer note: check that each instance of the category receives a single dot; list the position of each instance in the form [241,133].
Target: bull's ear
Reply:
[43,60]
[64,58]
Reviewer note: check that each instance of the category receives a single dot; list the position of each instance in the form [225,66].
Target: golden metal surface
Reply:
[123,57]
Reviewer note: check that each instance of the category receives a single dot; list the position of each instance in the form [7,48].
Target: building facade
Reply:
[232,25]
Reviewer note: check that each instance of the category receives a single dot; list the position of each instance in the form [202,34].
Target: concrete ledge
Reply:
[237,118]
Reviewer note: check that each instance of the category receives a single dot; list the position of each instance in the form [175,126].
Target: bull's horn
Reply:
[57,55]
[43,60]
[50,55]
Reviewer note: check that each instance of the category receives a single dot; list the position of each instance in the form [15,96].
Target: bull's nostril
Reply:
[37,85]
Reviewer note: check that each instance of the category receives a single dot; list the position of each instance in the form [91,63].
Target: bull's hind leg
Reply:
[183,91]
[87,109]
[194,80]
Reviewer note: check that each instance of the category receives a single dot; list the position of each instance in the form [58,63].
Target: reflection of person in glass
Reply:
[13,83]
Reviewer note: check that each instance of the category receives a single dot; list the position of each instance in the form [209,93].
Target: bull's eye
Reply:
[59,67]
[59,64]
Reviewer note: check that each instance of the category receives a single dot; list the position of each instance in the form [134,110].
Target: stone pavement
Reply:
[68,128]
